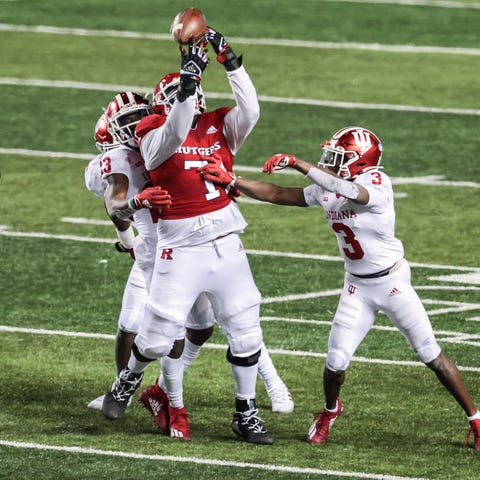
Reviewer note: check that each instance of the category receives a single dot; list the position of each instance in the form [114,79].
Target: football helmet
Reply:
[103,138]
[351,151]
[165,93]
[123,113]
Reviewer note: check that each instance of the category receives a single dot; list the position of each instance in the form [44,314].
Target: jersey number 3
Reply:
[353,250]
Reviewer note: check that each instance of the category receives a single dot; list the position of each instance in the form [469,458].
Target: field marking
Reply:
[431,180]
[5,231]
[272,42]
[417,3]
[228,96]
[218,346]
[204,461]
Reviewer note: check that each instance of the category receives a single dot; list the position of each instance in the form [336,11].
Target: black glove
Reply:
[119,247]
[225,55]
[194,63]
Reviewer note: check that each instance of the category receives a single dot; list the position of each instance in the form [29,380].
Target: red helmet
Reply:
[123,113]
[103,139]
[351,151]
[166,91]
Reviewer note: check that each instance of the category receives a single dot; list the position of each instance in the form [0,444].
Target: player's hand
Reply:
[225,55]
[278,162]
[217,40]
[152,197]
[120,247]
[194,61]
[215,172]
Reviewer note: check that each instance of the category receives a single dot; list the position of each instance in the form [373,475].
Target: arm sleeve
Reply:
[333,183]
[161,143]
[241,119]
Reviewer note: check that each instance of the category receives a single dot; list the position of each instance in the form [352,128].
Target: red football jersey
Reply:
[191,194]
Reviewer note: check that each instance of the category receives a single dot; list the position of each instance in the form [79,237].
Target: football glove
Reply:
[194,62]
[278,162]
[119,247]
[215,172]
[225,55]
[152,197]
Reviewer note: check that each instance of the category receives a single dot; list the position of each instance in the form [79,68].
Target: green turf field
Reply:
[408,72]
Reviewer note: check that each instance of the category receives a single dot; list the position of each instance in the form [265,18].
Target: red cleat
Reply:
[320,427]
[155,400]
[179,426]
[475,428]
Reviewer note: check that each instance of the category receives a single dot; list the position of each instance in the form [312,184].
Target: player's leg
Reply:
[408,314]
[353,319]
[134,299]
[278,392]
[236,301]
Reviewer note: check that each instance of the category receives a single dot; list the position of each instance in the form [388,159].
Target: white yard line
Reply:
[217,346]
[37,82]
[273,42]
[204,461]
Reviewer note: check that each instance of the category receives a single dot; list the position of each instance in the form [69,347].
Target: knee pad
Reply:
[337,360]
[243,361]
[243,332]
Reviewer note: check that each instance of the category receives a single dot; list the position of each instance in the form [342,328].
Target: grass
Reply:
[398,421]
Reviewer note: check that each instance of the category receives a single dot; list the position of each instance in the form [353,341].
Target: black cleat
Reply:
[116,400]
[249,426]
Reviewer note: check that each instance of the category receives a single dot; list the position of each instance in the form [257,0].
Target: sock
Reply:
[245,381]
[172,371]
[244,405]
[475,416]
[135,365]
[190,353]
[267,371]
[334,410]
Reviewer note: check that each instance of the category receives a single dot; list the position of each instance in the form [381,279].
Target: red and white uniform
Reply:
[199,248]
[367,242]
[126,161]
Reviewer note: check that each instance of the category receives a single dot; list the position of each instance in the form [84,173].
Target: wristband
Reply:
[127,237]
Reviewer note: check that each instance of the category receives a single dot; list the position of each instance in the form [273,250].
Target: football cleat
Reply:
[282,401]
[320,427]
[475,428]
[96,403]
[116,400]
[155,400]
[179,426]
[249,426]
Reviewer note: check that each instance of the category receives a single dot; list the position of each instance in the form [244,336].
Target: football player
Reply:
[115,175]
[199,248]
[357,197]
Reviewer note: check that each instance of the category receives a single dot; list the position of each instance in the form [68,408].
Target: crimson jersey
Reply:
[191,194]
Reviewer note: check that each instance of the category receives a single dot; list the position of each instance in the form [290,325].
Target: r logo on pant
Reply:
[167,254]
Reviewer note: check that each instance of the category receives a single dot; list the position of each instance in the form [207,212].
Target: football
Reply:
[188,23]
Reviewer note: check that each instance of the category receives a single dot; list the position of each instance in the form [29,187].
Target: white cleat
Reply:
[96,403]
[282,401]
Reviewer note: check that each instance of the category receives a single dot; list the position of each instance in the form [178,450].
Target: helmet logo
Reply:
[362,139]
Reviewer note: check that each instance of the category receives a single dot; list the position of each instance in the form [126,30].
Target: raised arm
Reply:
[241,119]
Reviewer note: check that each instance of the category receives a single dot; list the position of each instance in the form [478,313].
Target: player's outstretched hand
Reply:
[152,197]
[278,162]
[217,40]
[225,55]
[215,172]
[194,61]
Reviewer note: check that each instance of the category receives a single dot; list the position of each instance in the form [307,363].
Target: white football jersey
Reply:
[93,180]
[129,162]
[365,233]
